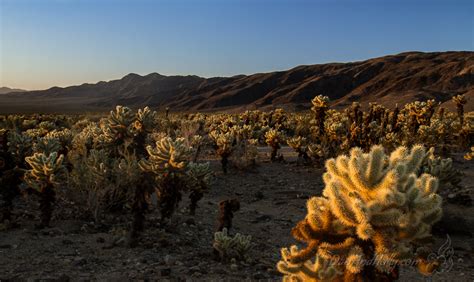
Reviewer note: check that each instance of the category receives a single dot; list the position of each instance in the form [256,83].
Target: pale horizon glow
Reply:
[70,42]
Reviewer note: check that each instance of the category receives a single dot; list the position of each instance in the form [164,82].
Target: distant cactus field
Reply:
[355,194]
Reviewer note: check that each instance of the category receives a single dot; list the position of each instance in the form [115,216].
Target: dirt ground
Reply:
[272,201]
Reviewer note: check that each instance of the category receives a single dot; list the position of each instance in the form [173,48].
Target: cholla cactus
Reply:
[300,145]
[469,155]
[117,126]
[374,208]
[199,179]
[274,139]
[167,162]
[168,156]
[47,145]
[145,120]
[443,169]
[320,270]
[19,146]
[460,101]
[225,145]
[47,173]
[228,247]
[319,108]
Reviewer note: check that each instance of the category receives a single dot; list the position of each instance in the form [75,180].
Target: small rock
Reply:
[67,242]
[165,272]
[190,221]
[168,260]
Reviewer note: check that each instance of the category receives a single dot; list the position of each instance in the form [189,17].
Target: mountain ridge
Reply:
[389,80]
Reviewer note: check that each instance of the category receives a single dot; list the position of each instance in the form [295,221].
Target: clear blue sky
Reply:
[64,42]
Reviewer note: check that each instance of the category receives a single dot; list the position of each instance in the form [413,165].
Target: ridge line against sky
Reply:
[70,42]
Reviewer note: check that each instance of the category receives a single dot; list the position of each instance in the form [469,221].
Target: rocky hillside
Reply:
[388,80]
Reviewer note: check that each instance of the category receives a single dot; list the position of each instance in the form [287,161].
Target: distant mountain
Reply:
[387,80]
[6,90]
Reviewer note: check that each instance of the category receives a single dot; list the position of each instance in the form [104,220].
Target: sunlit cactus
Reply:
[374,208]
[117,126]
[167,162]
[168,156]
[300,145]
[47,173]
[274,139]
[469,155]
[460,101]
[319,108]
[199,178]
[224,146]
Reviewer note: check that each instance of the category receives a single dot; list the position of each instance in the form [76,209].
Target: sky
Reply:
[45,43]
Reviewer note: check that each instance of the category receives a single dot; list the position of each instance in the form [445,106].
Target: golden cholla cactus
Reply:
[469,155]
[224,145]
[320,101]
[320,269]
[145,120]
[167,156]
[47,170]
[460,101]
[319,108]
[47,173]
[297,143]
[274,138]
[374,208]
[117,125]
[300,145]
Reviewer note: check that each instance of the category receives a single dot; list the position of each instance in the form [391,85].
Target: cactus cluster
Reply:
[375,207]
[232,247]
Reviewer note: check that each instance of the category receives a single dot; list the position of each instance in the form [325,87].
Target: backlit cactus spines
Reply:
[460,101]
[117,125]
[224,142]
[319,108]
[167,156]
[300,145]
[46,174]
[374,207]
[47,170]
[167,162]
[318,270]
[274,138]
[469,155]
[145,119]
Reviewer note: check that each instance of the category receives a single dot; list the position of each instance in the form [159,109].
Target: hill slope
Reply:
[388,80]
[6,90]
